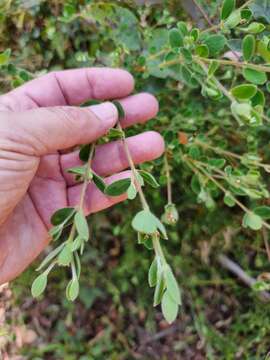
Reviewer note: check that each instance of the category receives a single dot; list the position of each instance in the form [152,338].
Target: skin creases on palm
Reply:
[37,120]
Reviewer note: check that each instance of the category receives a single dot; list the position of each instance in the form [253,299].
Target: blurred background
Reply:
[222,317]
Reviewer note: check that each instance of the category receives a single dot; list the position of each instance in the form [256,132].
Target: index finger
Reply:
[69,87]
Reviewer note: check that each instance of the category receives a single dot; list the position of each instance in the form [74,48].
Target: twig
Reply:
[206,17]
[242,275]
[266,243]
[161,334]
[168,177]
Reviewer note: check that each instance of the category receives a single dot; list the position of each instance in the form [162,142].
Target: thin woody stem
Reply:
[199,169]
[156,243]
[229,153]
[83,192]
[86,177]
[237,64]
[133,169]
[168,177]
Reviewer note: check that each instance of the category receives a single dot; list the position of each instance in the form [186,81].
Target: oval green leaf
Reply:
[263,212]
[252,221]
[244,91]
[81,225]
[144,222]
[172,286]
[72,289]
[254,76]
[227,8]
[39,285]
[152,273]
[118,187]
[99,182]
[169,308]
[149,178]
[175,38]
[248,47]
[62,215]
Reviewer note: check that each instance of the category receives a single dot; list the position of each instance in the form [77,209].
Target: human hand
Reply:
[39,119]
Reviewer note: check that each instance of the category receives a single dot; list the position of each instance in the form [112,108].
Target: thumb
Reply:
[45,130]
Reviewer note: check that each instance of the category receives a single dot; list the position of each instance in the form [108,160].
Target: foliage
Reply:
[213,89]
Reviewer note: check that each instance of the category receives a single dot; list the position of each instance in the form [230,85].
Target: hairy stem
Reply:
[156,242]
[83,192]
[197,169]
[236,64]
[133,169]
[168,177]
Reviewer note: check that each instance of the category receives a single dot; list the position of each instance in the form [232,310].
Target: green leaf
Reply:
[144,222]
[217,163]
[78,170]
[161,227]
[159,290]
[39,285]
[258,99]
[152,273]
[56,231]
[175,38]
[4,57]
[182,26]
[99,182]
[115,133]
[76,244]
[202,51]
[125,28]
[248,47]
[169,308]
[229,200]
[131,192]
[227,8]
[121,112]
[233,20]
[187,56]
[118,187]
[172,286]
[244,91]
[62,215]
[242,110]
[263,49]
[195,34]
[254,76]
[81,225]
[65,256]
[72,290]
[85,152]
[214,65]
[149,178]
[50,256]
[252,221]
[263,212]
[148,242]
[253,28]
[215,44]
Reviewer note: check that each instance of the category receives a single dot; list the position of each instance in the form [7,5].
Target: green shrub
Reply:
[214,118]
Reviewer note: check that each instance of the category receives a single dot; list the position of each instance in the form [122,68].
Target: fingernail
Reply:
[106,112]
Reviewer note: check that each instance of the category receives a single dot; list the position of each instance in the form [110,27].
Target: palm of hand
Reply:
[33,187]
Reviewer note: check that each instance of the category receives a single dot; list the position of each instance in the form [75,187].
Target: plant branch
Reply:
[190,162]
[236,64]
[133,169]
[83,192]
[241,274]
[168,177]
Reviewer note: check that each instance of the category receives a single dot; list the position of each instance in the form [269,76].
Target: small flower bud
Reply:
[170,215]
